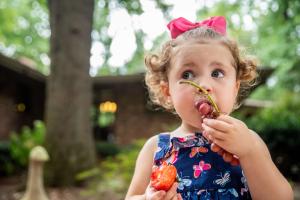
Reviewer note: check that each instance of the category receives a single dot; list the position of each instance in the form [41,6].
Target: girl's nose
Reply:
[205,83]
[206,87]
[208,90]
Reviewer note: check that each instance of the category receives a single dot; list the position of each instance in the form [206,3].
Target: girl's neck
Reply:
[185,130]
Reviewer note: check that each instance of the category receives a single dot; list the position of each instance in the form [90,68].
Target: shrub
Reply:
[21,144]
[105,149]
[7,164]
[114,173]
[279,127]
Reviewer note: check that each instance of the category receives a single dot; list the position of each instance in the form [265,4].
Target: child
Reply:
[203,149]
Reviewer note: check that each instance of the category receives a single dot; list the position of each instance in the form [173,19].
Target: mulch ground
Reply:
[12,188]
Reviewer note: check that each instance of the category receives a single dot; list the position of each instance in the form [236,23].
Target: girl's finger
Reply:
[206,135]
[215,134]
[226,118]
[227,157]
[221,152]
[215,148]
[218,124]
[179,197]
[235,161]
[172,192]
[158,195]
[175,197]
[152,194]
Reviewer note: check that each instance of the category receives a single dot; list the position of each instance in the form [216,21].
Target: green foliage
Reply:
[278,43]
[279,126]
[6,163]
[102,11]
[25,30]
[15,152]
[284,114]
[105,149]
[22,143]
[114,174]
[106,119]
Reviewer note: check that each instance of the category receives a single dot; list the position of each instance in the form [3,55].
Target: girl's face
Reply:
[211,66]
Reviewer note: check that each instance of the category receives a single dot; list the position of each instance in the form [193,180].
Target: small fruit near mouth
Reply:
[204,107]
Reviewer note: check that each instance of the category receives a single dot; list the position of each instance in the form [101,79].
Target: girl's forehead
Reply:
[202,50]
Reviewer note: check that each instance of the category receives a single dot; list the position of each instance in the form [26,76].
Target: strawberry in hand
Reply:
[163,177]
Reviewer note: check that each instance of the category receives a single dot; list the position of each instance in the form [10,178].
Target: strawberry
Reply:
[163,177]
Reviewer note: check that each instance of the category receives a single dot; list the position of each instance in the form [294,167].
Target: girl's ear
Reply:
[237,86]
[165,88]
[237,89]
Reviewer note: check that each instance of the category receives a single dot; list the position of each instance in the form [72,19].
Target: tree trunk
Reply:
[69,91]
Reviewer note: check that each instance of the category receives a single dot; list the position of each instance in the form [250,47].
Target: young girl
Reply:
[204,150]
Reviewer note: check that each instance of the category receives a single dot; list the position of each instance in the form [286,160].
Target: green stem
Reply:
[204,92]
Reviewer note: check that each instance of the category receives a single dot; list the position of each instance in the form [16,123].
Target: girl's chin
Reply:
[195,127]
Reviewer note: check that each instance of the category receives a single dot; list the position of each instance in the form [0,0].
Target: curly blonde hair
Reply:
[158,65]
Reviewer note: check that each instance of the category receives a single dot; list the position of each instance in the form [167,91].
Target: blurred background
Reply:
[71,79]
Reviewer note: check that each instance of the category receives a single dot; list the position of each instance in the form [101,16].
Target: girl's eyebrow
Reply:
[189,64]
[217,63]
[221,64]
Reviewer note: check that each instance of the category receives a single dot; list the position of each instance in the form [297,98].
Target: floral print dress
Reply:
[203,174]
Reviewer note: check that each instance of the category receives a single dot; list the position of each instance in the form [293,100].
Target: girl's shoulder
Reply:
[152,143]
[164,139]
[155,139]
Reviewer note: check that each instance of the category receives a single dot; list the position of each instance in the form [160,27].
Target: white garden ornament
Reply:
[35,184]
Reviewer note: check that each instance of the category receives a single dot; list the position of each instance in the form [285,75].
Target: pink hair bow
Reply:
[181,25]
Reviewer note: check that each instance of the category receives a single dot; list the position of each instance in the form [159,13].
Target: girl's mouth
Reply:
[204,107]
[207,107]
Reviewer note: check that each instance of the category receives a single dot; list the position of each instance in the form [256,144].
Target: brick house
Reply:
[22,95]
[22,99]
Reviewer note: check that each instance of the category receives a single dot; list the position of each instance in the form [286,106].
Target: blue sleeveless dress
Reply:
[203,174]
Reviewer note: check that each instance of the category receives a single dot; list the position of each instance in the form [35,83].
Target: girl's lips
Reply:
[204,107]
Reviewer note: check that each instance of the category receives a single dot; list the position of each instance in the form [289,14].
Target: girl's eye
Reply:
[217,73]
[187,75]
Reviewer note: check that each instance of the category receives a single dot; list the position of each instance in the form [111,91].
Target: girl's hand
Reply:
[171,194]
[230,134]
[228,157]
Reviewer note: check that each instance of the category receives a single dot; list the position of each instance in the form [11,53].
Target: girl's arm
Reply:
[142,173]
[264,179]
